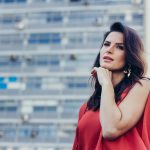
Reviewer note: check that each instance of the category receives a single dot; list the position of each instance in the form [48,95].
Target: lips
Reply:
[107,58]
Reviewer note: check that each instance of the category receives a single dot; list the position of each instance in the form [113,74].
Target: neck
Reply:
[117,77]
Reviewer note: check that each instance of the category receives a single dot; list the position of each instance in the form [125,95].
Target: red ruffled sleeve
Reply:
[81,113]
[146,124]
[137,138]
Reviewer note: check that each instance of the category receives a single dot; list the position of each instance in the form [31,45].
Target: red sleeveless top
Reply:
[89,134]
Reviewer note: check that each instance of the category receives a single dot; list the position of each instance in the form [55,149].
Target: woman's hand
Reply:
[104,75]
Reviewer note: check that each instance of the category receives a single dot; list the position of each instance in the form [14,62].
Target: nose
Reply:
[110,49]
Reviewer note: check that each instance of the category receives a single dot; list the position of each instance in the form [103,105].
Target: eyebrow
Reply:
[116,43]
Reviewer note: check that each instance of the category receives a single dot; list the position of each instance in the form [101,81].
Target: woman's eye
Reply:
[106,44]
[120,47]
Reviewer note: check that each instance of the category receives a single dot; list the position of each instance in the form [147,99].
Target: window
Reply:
[9,1]
[75,0]
[11,109]
[39,108]
[54,17]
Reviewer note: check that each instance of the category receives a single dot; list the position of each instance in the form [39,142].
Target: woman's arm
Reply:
[116,120]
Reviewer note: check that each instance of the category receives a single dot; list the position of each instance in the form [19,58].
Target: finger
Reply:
[94,70]
[95,67]
[94,74]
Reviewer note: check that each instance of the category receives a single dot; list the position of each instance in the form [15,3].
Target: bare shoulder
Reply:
[137,96]
[133,105]
[147,80]
[143,84]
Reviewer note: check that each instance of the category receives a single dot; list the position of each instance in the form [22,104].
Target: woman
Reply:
[116,115]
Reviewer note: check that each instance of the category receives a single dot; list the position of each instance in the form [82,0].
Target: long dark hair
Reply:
[134,51]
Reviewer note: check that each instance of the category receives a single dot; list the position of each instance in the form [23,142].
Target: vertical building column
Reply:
[147,31]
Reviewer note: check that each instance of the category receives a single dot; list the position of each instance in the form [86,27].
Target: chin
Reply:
[106,67]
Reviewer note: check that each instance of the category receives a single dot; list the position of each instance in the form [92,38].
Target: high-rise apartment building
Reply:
[47,48]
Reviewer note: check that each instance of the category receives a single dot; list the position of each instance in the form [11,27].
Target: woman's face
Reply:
[112,54]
